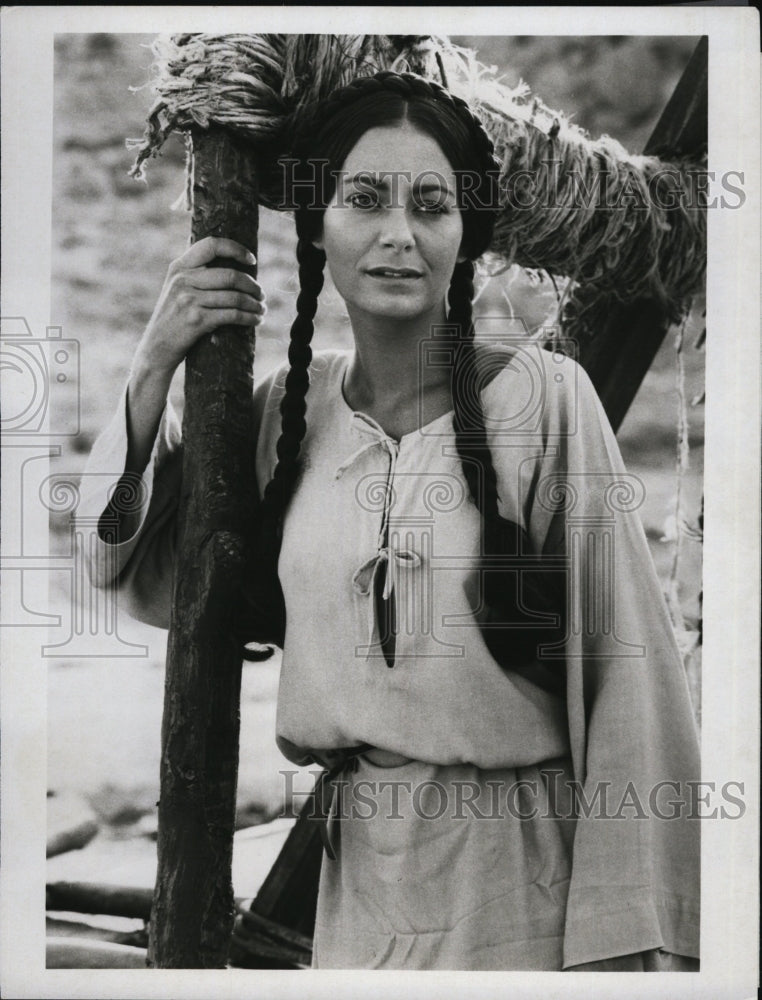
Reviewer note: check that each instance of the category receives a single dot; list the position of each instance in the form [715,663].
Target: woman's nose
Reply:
[396,231]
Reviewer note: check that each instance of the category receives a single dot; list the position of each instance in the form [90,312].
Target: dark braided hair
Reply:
[532,600]
[329,132]
[293,407]
[264,596]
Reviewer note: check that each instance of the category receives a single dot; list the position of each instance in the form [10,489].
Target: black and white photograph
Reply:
[380,550]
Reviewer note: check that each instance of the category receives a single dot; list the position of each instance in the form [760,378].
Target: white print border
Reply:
[731,595]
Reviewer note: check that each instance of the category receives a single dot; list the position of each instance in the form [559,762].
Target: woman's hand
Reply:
[197,299]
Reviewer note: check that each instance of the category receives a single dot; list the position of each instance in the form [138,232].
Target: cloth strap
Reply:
[325,790]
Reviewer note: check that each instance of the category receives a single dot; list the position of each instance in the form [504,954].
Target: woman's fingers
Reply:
[220,278]
[215,318]
[211,247]
[225,308]
[231,300]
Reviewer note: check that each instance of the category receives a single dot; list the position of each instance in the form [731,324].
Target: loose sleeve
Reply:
[635,755]
[139,566]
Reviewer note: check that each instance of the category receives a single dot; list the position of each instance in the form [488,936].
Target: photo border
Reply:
[730,682]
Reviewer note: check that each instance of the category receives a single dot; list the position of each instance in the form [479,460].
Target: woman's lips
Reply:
[393,273]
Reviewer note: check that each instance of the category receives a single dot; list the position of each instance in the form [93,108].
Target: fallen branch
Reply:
[95,897]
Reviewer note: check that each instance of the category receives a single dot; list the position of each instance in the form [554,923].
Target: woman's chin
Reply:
[394,307]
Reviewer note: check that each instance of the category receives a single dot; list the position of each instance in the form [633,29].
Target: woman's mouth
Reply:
[394,273]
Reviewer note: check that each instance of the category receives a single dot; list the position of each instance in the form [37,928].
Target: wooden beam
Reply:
[682,128]
[618,354]
[193,909]
[96,897]
[288,895]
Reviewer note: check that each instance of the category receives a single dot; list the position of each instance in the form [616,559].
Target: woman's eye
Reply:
[432,207]
[363,199]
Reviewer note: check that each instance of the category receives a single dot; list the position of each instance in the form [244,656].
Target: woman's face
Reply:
[393,231]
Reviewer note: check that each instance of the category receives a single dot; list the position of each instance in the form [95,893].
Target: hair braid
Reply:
[266,610]
[509,595]
[470,432]
[293,407]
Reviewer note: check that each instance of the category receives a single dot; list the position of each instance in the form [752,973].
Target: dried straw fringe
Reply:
[256,85]
[595,212]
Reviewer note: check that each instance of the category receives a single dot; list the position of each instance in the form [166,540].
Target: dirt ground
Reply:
[113,240]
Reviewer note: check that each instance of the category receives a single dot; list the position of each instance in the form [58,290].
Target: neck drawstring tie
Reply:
[388,559]
[364,583]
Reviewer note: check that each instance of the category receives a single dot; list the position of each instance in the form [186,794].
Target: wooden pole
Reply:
[618,356]
[193,907]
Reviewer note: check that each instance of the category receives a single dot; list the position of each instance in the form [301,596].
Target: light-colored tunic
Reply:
[525,887]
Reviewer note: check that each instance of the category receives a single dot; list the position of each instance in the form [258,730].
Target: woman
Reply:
[436,514]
